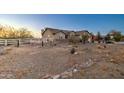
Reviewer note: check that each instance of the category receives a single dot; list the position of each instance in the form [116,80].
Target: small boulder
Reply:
[101,46]
[75,70]
[56,77]
[46,76]
[76,53]
[72,51]
[1,50]
[66,74]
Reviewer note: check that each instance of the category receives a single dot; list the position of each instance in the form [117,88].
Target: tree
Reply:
[122,38]
[7,32]
[84,38]
[98,37]
[107,38]
[24,33]
[117,36]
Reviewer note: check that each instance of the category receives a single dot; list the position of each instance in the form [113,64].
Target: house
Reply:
[84,33]
[113,33]
[72,33]
[60,35]
[51,34]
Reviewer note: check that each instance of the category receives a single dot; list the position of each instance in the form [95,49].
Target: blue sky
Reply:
[91,22]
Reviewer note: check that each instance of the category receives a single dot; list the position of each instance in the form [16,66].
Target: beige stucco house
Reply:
[51,34]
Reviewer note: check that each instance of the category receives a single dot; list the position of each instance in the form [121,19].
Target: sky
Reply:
[103,23]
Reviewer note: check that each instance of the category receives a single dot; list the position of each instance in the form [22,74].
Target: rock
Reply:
[71,69]
[76,53]
[46,77]
[101,46]
[104,46]
[10,76]
[122,73]
[75,70]
[112,60]
[87,64]
[2,50]
[56,77]
[6,75]
[2,75]
[107,55]
[66,74]
[90,60]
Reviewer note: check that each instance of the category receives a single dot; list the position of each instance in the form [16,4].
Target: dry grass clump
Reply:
[21,73]
[5,50]
[105,68]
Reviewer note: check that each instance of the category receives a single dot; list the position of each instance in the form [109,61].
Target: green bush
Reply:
[117,37]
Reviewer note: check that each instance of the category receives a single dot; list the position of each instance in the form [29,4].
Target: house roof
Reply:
[112,33]
[82,32]
[54,31]
[66,32]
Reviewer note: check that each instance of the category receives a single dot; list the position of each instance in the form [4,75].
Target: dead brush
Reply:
[20,73]
[101,46]
[115,61]
[82,72]
[7,50]
[104,68]
[121,72]
[72,51]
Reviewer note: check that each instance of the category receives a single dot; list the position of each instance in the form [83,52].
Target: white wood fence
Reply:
[5,42]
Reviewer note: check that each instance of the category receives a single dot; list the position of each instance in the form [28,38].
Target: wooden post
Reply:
[5,42]
[42,43]
[17,43]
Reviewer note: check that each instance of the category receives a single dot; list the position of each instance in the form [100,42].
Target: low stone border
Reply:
[69,72]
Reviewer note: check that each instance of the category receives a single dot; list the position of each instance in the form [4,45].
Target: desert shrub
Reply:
[72,51]
[117,37]
[122,39]
[84,38]
[74,40]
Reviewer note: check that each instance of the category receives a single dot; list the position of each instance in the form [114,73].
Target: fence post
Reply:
[5,42]
[18,43]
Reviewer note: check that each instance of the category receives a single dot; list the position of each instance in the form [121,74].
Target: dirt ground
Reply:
[35,62]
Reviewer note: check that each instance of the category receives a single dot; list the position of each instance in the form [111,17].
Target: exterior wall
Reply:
[48,36]
[72,34]
[86,33]
[59,36]
[51,36]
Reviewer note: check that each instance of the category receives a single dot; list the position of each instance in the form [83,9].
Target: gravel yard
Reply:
[34,62]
